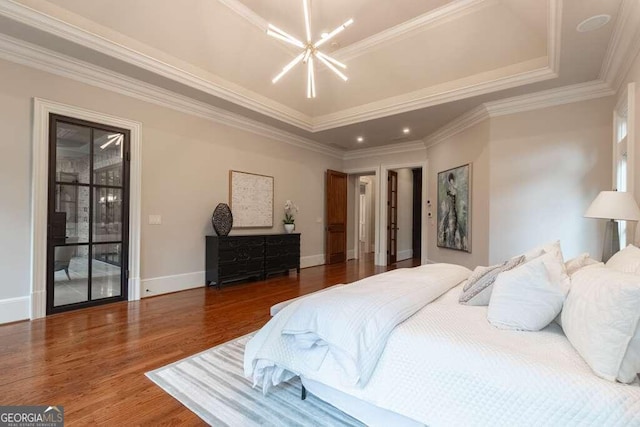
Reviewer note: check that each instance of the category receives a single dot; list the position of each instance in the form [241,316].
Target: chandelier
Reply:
[309,51]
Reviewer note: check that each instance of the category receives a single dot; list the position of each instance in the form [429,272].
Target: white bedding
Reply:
[349,323]
[447,366]
[353,322]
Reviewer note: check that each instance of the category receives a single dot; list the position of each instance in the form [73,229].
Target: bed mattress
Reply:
[448,366]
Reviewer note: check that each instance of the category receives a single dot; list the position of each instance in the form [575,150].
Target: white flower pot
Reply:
[289,228]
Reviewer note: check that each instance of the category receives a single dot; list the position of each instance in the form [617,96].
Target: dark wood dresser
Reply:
[235,258]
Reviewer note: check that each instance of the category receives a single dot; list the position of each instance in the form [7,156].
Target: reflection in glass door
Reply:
[87,237]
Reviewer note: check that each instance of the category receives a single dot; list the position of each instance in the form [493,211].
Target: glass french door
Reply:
[88,215]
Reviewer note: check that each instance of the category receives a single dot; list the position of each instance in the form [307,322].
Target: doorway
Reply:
[404,214]
[88,214]
[366,217]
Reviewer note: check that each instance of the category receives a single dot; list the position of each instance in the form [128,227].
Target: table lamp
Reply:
[613,205]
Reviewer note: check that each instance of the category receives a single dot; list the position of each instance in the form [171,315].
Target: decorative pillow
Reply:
[626,261]
[478,272]
[600,319]
[478,291]
[529,297]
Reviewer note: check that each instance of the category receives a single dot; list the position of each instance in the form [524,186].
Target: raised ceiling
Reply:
[416,64]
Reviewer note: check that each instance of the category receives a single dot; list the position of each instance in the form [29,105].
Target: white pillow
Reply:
[581,261]
[529,297]
[626,261]
[539,251]
[600,318]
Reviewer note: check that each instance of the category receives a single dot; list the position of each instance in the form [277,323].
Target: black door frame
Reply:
[54,119]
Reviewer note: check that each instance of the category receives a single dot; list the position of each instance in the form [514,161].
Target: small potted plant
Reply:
[289,220]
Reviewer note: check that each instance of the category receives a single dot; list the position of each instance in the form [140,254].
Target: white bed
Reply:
[446,365]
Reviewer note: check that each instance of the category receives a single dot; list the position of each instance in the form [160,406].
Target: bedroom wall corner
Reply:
[469,146]
[547,166]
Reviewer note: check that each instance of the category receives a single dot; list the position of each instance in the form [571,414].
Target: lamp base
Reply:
[611,240]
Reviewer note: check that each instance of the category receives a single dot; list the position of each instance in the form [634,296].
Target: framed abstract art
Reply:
[454,208]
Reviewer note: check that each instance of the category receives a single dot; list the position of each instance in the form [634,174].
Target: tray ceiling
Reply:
[410,63]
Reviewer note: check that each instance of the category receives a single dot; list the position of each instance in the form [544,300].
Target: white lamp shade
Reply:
[618,205]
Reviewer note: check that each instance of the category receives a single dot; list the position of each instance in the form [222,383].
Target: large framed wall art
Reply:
[251,199]
[454,208]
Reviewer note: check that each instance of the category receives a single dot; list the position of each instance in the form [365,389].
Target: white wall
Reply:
[468,146]
[534,174]
[185,163]
[547,166]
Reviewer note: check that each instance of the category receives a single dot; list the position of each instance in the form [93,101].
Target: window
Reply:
[623,153]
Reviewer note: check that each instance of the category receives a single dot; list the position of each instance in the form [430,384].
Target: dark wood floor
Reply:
[93,361]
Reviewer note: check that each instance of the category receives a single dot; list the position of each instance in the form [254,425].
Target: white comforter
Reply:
[351,323]
[447,366]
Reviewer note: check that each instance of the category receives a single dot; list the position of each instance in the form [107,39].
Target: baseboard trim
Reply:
[351,254]
[403,255]
[15,309]
[168,284]
[311,261]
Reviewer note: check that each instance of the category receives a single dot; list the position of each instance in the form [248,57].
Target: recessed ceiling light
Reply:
[406,131]
[360,139]
[593,23]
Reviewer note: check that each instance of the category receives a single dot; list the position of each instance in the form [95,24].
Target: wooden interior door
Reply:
[336,231]
[392,217]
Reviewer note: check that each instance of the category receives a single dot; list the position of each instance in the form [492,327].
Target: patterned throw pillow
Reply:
[477,290]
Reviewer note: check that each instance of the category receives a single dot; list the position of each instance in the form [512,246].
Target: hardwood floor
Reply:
[93,361]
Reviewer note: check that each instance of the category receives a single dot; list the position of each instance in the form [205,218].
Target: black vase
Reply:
[222,219]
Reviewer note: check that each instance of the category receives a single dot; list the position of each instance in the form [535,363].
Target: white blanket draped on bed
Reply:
[351,323]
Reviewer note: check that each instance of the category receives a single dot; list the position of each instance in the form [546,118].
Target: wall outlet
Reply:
[155,219]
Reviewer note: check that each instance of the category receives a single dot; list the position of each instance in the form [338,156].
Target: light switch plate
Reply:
[155,219]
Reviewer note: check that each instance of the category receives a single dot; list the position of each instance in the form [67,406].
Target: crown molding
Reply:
[418,99]
[549,98]
[246,13]
[457,125]
[387,150]
[518,104]
[623,45]
[228,92]
[446,13]
[24,53]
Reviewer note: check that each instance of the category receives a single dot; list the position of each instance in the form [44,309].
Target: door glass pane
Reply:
[106,271]
[70,220]
[70,275]
[107,215]
[107,158]
[72,153]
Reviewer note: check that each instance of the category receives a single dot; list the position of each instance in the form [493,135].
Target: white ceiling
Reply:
[416,64]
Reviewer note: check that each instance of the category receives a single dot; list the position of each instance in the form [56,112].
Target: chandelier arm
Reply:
[307,20]
[288,67]
[332,60]
[332,68]
[308,80]
[276,32]
[333,33]
[313,78]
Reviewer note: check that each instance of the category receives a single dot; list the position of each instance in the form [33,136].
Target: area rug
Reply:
[212,385]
